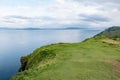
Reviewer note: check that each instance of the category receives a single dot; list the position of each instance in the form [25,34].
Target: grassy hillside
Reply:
[92,59]
[112,32]
[97,58]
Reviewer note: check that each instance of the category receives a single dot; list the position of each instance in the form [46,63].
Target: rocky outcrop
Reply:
[23,61]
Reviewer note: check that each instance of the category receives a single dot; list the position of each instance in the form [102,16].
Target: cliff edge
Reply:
[92,59]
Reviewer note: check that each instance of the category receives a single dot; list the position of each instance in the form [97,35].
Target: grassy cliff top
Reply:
[96,58]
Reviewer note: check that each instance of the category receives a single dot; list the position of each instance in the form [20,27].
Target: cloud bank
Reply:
[59,13]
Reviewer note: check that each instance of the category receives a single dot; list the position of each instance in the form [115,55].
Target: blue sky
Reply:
[59,13]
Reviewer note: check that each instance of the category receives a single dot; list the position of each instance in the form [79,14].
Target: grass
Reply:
[89,60]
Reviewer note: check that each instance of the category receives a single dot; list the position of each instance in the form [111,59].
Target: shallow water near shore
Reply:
[17,43]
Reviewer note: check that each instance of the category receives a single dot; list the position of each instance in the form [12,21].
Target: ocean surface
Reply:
[17,43]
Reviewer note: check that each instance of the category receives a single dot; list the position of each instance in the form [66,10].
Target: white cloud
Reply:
[61,12]
[61,1]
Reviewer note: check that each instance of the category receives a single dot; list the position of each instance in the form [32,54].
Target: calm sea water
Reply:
[17,43]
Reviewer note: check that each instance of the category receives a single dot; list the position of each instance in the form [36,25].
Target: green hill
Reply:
[97,58]
[112,32]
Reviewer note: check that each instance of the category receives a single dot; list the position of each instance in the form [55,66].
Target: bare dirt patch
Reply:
[110,41]
[117,65]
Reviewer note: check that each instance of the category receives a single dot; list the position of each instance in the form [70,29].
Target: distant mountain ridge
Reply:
[31,28]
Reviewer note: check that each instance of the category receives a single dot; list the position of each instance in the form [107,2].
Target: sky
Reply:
[59,13]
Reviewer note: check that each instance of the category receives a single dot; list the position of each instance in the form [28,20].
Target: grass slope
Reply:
[112,32]
[92,59]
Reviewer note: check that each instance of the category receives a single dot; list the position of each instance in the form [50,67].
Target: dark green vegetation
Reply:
[113,32]
[92,59]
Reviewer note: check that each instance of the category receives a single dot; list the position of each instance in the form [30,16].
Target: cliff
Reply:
[96,58]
